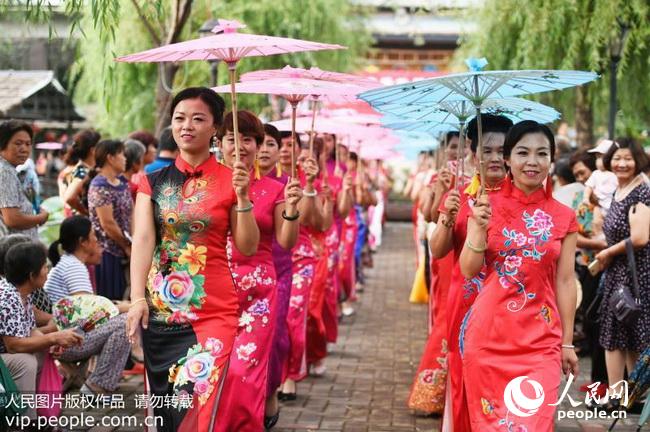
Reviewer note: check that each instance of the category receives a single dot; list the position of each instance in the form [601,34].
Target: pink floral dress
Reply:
[513,329]
[244,392]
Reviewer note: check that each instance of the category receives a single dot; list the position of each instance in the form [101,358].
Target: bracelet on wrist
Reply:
[290,218]
[309,194]
[135,302]
[246,209]
[473,248]
[568,346]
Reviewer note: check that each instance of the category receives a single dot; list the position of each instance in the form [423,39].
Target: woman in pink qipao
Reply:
[276,213]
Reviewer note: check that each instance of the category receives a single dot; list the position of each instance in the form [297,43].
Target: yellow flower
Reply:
[194,257]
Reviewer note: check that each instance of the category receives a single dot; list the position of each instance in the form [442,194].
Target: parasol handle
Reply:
[479,149]
[233,98]
[460,159]
[294,108]
[312,135]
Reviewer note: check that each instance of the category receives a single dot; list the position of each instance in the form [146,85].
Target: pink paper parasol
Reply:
[294,91]
[313,73]
[230,46]
[290,73]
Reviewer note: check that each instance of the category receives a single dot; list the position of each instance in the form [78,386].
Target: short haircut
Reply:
[248,124]
[449,135]
[23,261]
[166,141]
[287,134]
[563,170]
[523,128]
[640,157]
[215,103]
[134,151]
[6,243]
[273,132]
[9,128]
[105,149]
[145,137]
[587,158]
[489,123]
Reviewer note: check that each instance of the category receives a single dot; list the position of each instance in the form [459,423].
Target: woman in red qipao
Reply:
[306,257]
[429,384]
[516,339]
[189,309]
[276,213]
[449,236]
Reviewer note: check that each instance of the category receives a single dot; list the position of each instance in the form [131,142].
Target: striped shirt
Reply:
[68,277]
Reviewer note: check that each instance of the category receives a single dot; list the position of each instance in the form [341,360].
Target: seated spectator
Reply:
[39,298]
[69,276]
[566,186]
[21,344]
[167,152]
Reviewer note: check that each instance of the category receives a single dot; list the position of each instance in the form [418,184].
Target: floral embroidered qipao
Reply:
[514,327]
[191,295]
[244,393]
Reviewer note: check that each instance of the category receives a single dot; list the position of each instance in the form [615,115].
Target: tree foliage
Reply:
[125,94]
[570,34]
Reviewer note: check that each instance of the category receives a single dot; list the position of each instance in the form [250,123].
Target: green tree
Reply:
[570,34]
[133,96]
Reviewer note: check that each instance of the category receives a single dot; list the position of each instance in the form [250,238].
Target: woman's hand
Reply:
[138,315]
[292,196]
[326,191]
[604,258]
[66,338]
[348,182]
[240,180]
[482,211]
[570,362]
[443,182]
[452,203]
[310,168]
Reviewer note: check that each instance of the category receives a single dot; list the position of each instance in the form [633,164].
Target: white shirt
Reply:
[603,184]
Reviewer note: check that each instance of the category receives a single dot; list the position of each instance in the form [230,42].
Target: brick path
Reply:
[370,369]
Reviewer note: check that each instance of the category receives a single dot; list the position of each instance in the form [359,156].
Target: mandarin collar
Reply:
[189,170]
[510,190]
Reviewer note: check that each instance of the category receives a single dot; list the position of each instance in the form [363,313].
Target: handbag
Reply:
[626,305]
[50,382]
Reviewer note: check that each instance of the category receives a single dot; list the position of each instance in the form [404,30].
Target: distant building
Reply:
[415,34]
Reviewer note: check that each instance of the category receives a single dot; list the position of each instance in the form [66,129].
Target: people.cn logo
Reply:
[519,404]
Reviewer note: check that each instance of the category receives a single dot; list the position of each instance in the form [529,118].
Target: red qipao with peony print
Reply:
[190,291]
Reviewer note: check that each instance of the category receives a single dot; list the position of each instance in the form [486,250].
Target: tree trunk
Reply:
[163,97]
[584,118]
[181,10]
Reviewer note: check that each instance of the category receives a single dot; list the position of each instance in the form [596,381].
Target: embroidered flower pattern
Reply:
[519,247]
[245,351]
[197,367]
[175,283]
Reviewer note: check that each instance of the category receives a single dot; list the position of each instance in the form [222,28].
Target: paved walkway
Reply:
[370,369]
